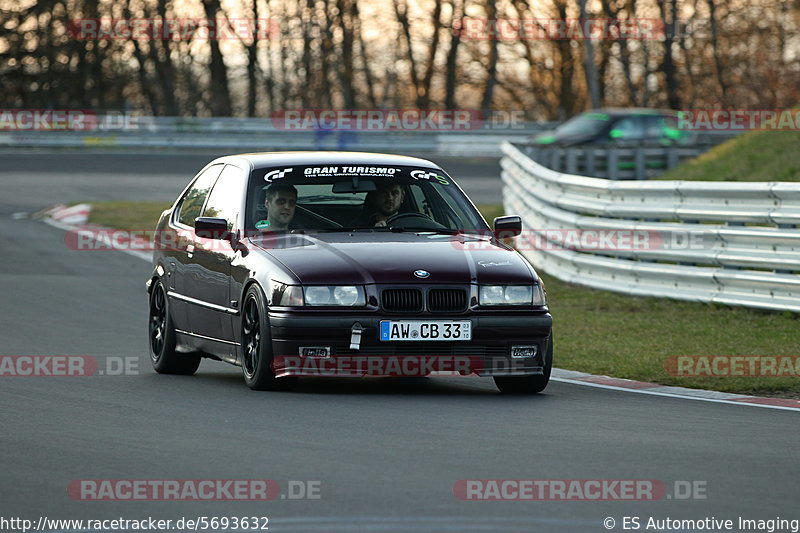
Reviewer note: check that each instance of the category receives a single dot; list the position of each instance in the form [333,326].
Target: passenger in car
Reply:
[380,204]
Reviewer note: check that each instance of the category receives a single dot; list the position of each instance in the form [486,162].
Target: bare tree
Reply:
[669,18]
[566,68]
[457,10]
[589,68]
[346,70]
[491,65]
[220,101]
[712,19]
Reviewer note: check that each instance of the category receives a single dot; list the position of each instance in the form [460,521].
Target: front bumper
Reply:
[487,354]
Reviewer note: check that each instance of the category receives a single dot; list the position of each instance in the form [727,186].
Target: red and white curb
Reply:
[656,389]
[75,219]
[75,215]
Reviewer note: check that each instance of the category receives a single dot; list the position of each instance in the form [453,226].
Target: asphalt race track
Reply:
[385,452]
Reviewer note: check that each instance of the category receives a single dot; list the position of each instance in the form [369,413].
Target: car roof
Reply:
[271,159]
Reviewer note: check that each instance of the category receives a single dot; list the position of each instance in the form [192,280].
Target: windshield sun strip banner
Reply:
[298,174]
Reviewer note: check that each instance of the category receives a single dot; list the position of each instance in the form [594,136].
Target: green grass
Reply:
[134,216]
[753,156]
[632,337]
[607,333]
[490,211]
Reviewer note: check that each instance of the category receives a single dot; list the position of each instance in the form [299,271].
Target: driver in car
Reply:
[280,202]
[380,205]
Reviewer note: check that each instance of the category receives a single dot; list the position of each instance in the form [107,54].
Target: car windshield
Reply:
[356,197]
[585,124]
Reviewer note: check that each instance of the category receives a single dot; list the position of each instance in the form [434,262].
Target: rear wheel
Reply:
[528,384]
[257,346]
[162,337]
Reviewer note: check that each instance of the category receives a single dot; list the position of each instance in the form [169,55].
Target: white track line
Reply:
[672,395]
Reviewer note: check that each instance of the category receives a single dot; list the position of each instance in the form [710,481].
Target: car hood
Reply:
[389,258]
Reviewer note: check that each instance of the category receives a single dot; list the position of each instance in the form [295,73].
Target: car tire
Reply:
[161,334]
[528,384]
[257,354]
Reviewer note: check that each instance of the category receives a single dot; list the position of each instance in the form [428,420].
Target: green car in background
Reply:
[618,126]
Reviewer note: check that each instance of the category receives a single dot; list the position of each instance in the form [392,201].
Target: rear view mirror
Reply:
[211,228]
[505,227]
[355,185]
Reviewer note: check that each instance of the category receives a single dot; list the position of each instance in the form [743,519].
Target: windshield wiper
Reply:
[346,229]
[444,231]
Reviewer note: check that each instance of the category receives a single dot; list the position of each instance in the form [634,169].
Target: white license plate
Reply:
[424,330]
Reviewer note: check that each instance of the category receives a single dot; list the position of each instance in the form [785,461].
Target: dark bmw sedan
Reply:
[342,264]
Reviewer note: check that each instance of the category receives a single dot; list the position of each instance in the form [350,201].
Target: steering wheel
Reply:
[400,216]
[415,221]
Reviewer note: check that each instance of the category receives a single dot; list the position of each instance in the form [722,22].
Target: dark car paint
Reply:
[213,275]
[602,136]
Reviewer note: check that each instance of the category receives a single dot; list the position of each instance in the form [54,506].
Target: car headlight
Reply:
[342,295]
[512,295]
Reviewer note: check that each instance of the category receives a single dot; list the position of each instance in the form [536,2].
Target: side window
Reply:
[421,201]
[445,210]
[627,129]
[226,197]
[195,197]
[656,126]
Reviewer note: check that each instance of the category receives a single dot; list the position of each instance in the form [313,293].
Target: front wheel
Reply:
[257,354]
[528,384]
[162,338]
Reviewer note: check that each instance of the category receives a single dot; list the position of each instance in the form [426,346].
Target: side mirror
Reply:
[211,228]
[505,227]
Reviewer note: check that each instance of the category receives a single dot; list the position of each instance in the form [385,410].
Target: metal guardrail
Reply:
[733,243]
[255,134]
[634,162]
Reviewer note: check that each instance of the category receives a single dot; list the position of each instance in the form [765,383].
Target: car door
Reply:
[208,268]
[178,253]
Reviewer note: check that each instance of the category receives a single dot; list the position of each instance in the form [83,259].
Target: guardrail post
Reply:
[555,159]
[572,161]
[672,157]
[590,161]
[612,167]
[640,168]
